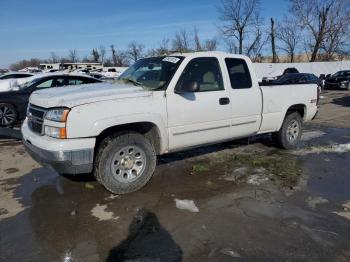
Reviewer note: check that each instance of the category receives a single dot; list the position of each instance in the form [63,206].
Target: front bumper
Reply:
[63,162]
[68,156]
[329,85]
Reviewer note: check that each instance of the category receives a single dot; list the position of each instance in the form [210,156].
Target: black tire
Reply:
[8,115]
[286,138]
[110,148]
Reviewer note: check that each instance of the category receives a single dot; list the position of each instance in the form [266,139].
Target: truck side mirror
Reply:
[187,86]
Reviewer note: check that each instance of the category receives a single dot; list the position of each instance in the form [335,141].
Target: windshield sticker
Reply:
[171,59]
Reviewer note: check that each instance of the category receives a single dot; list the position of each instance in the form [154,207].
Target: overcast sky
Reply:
[36,28]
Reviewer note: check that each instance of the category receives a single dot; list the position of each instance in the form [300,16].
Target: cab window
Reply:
[239,73]
[205,71]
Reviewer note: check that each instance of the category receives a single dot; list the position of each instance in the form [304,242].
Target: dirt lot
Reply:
[251,202]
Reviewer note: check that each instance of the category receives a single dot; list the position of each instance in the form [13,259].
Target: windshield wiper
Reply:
[132,81]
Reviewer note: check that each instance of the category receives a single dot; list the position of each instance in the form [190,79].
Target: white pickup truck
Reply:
[160,105]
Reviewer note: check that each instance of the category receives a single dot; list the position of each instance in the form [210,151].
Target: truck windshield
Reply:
[152,73]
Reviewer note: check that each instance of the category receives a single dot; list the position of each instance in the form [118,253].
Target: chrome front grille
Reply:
[36,116]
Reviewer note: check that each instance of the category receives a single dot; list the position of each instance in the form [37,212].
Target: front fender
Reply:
[77,128]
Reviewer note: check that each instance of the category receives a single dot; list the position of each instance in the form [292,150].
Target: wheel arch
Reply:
[149,129]
[298,108]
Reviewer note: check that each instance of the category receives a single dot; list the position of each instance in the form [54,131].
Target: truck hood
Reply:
[71,96]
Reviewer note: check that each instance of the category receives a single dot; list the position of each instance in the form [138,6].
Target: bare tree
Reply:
[288,34]
[73,55]
[119,58]
[86,59]
[181,42]
[254,50]
[108,62]
[337,42]
[231,46]
[102,51]
[135,51]
[54,58]
[162,49]
[197,41]
[95,55]
[273,41]
[315,17]
[33,62]
[237,17]
[114,55]
[211,44]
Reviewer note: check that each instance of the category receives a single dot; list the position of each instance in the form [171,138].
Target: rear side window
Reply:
[75,81]
[239,73]
[59,81]
[81,80]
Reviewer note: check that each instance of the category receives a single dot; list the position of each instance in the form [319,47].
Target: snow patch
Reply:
[100,212]
[335,148]
[186,205]
[346,211]
[235,175]
[256,180]
[312,202]
[311,135]
[230,252]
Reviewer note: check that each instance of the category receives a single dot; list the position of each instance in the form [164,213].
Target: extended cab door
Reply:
[202,116]
[245,96]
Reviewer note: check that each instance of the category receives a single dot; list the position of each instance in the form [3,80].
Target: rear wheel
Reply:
[290,133]
[8,115]
[125,162]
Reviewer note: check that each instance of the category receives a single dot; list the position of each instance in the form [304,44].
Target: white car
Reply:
[15,75]
[160,105]
[10,80]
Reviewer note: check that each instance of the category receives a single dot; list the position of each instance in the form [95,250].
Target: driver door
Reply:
[202,116]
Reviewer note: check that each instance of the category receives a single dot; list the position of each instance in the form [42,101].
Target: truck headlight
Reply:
[56,132]
[57,114]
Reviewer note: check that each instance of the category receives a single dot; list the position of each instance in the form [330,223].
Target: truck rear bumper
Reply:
[69,156]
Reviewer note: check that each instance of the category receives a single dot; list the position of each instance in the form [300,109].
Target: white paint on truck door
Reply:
[200,117]
[246,98]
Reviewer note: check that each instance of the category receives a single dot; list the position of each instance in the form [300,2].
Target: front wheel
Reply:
[290,133]
[125,162]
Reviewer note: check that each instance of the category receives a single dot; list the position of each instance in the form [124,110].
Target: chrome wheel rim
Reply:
[128,164]
[293,131]
[7,115]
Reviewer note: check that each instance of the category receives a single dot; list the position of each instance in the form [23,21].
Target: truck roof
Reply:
[209,53]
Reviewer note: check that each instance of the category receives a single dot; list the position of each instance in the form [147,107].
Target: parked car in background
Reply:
[298,78]
[290,70]
[160,105]
[340,80]
[96,75]
[15,76]
[13,104]
[295,79]
[11,80]
[3,71]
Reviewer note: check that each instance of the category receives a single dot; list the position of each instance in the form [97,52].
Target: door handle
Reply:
[224,101]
